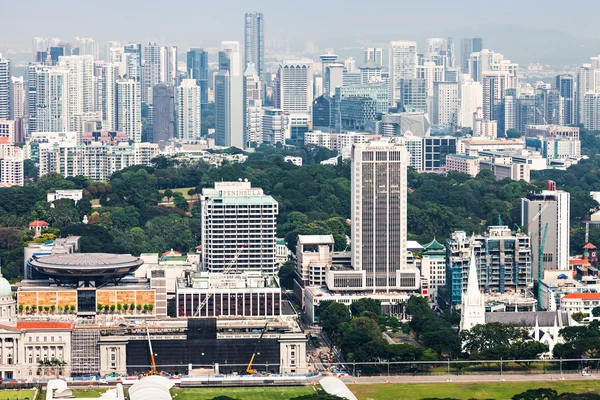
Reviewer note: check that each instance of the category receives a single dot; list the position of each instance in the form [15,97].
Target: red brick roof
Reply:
[45,325]
[38,222]
[582,296]
[589,246]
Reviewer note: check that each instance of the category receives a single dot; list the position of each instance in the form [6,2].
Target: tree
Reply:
[137,188]
[484,337]
[286,274]
[331,319]
[365,304]
[513,134]
[168,194]
[125,307]
[180,201]
[536,394]
[578,316]
[139,307]
[119,307]
[596,311]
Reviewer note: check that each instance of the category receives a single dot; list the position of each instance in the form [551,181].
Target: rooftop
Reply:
[314,239]
[38,222]
[582,296]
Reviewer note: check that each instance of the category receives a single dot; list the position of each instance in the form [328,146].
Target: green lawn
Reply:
[483,390]
[85,393]
[10,394]
[183,191]
[254,393]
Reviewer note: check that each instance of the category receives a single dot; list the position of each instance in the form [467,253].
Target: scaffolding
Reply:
[85,351]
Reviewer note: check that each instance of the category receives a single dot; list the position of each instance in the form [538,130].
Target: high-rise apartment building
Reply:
[374,54]
[253,106]
[160,65]
[5,89]
[107,75]
[129,109]
[445,103]
[254,41]
[471,98]
[591,111]
[379,230]
[545,217]
[468,46]
[197,68]
[403,65]
[18,97]
[163,112]
[565,84]
[239,225]
[229,98]
[80,83]
[494,85]
[189,102]
[413,95]
[48,99]
[86,47]
[132,53]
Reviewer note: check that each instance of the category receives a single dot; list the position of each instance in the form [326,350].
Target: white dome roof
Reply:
[5,288]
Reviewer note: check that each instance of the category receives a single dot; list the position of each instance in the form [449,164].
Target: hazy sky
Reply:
[205,22]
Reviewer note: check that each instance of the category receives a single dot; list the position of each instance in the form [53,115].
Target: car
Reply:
[586,373]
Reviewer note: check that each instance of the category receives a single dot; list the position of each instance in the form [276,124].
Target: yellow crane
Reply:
[153,370]
[249,368]
[225,270]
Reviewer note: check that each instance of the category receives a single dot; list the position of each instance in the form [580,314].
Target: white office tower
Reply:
[333,77]
[430,72]
[156,69]
[274,125]
[188,110]
[87,47]
[471,98]
[374,54]
[229,98]
[5,85]
[106,84]
[50,100]
[472,311]
[403,65]
[494,85]
[18,97]
[379,231]
[254,40]
[239,228]
[439,50]
[545,216]
[129,109]
[80,85]
[591,111]
[294,87]
[445,104]
[253,103]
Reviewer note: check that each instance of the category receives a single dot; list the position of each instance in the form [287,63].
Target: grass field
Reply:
[87,393]
[483,390]
[259,393]
[9,394]
[183,191]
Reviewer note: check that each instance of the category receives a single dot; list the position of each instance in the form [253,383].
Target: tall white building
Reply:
[18,97]
[294,87]
[591,111]
[379,230]
[50,100]
[431,73]
[80,85]
[238,221]
[5,86]
[129,109]
[253,106]
[229,97]
[471,98]
[254,40]
[374,54]
[445,103]
[274,125]
[494,85]
[11,167]
[87,47]
[403,65]
[160,66]
[188,110]
[107,98]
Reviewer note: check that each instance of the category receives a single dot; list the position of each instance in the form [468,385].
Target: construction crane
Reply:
[542,243]
[225,270]
[249,369]
[153,370]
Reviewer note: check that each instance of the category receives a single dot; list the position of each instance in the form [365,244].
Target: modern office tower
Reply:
[322,118]
[468,46]
[107,75]
[254,41]
[133,61]
[253,107]
[172,73]
[379,228]
[155,70]
[356,112]
[374,54]
[87,47]
[129,109]
[431,73]
[494,85]
[586,75]
[18,97]
[413,95]
[471,98]
[479,63]
[189,114]
[591,111]
[274,125]
[445,103]
[239,226]
[403,65]
[377,92]
[51,100]
[5,89]
[370,73]
[503,261]
[333,77]
[434,46]
[294,87]
[328,57]
[565,84]
[163,113]
[549,105]
[229,98]
[545,217]
[80,85]
[197,68]
[435,149]
[106,56]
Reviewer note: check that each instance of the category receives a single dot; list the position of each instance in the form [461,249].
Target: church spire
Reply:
[473,295]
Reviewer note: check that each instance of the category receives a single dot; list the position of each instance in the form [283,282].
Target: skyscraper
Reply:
[133,60]
[254,40]
[445,103]
[87,47]
[253,106]
[403,65]
[163,112]
[158,68]
[197,68]
[80,86]
[229,98]
[188,110]
[49,106]
[468,46]
[494,85]
[471,98]
[294,87]
[379,230]
[109,73]
[5,86]
[18,97]
[374,54]
[565,84]
[129,109]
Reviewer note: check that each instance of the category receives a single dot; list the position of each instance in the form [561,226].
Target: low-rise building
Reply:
[504,167]
[314,256]
[297,161]
[461,163]
[72,194]
[433,267]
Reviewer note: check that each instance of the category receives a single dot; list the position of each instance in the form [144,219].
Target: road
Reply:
[468,378]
